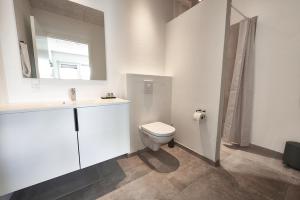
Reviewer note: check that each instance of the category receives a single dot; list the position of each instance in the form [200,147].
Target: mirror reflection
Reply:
[60,39]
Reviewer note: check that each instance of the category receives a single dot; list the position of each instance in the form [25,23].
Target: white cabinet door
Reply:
[35,147]
[103,133]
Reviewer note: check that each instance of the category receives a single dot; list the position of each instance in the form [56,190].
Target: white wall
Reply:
[147,108]
[3,91]
[276,110]
[195,44]
[135,42]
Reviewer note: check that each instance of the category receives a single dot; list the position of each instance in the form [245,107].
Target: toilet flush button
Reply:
[148,86]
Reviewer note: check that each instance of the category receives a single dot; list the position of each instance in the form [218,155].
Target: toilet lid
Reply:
[159,129]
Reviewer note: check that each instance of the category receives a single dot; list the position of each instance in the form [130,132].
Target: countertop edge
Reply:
[47,107]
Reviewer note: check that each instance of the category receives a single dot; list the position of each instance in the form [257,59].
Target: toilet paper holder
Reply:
[202,111]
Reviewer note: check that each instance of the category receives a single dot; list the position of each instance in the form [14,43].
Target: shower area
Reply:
[238,82]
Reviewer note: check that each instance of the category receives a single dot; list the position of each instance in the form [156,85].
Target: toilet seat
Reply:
[158,129]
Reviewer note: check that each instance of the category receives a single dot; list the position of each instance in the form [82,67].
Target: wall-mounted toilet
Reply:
[155,134]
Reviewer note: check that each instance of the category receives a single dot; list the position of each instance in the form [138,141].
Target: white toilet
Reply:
[156,134]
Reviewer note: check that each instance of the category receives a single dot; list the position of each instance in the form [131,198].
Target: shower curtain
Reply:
[238,115]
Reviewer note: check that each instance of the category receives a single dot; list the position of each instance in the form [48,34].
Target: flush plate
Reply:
[148,86]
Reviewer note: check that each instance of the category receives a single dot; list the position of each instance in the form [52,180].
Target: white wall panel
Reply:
[195,44]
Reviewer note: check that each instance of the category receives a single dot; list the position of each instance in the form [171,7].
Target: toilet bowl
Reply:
[156,134]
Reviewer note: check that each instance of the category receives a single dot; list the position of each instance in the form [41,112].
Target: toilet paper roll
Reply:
[199,116]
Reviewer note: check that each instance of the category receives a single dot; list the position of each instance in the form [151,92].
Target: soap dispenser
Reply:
[72,94]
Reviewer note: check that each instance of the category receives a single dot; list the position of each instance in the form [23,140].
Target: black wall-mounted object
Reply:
[108,97]
[171,144]
[76,120]
[291,155]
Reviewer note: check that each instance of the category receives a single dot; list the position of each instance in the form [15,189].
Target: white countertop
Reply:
[30,107]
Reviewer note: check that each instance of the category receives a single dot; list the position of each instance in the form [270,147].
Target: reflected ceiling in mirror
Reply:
[60,39]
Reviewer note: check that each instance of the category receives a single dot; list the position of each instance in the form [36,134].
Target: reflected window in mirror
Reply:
[62,59]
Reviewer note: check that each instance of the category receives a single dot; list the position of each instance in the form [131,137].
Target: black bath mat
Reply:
[89,183]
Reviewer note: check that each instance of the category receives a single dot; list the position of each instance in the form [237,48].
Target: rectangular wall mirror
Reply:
[60,39]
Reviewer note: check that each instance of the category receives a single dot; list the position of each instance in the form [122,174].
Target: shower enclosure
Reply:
[239,83]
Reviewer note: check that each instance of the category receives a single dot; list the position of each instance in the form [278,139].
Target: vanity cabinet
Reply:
[43,142]
[36,146]
[103,133]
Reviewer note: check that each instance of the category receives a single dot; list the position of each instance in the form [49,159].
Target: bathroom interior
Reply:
[149,99]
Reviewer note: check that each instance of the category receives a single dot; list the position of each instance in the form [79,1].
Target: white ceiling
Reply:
[70,9]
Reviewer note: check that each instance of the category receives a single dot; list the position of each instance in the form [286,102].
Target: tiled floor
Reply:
[244,175]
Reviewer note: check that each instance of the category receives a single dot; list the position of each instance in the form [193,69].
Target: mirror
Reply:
[60,39]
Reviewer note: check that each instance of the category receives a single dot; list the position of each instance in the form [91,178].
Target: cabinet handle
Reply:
[76,120]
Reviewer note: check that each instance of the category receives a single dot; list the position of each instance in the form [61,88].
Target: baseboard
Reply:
[213,163]
[252,148]
[129,155]
[266,151]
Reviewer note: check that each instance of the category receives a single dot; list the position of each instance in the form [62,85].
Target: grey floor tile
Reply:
[150,187]
[160,161]
[133,168]
[188,173]
[214,185]
[293,192]
[76,181]
[256,178]
[103,186]
[243,175]
[181,155]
